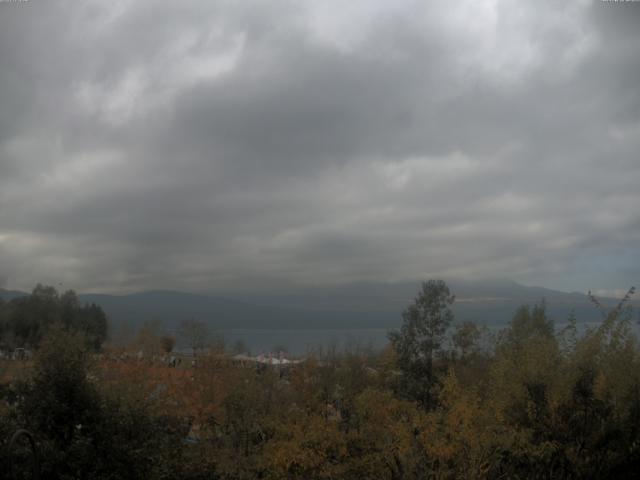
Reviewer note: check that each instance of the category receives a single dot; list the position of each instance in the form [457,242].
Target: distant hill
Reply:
[373,305]
[492,302]
[172,307]
[11,294]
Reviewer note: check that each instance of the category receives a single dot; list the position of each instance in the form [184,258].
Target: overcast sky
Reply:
[225,145]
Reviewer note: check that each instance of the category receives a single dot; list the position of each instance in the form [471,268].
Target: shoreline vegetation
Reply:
[444,398]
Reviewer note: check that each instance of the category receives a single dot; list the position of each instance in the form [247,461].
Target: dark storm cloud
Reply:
[211,145]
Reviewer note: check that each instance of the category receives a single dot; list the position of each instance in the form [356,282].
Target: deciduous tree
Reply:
[195,334]
[421,338]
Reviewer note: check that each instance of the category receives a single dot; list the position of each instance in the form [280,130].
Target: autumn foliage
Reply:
[529,401]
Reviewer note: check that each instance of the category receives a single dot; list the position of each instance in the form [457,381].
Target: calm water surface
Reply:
[300,342]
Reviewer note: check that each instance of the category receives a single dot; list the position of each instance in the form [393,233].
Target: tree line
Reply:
[24,320]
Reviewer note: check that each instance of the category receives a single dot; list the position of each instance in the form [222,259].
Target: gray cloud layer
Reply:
[258,145]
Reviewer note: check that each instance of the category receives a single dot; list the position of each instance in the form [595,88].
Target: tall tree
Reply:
[195,334]
[466,337]
[528,323]
[420,339]
[167,342]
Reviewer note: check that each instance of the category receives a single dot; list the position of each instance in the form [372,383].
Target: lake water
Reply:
[300,342]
